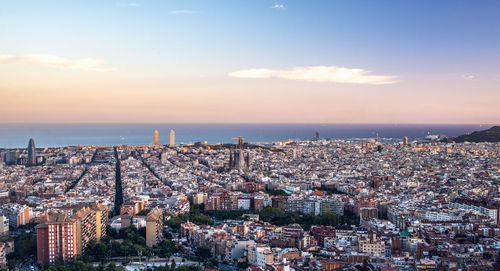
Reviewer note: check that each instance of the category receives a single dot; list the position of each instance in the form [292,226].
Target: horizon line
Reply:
[246,123]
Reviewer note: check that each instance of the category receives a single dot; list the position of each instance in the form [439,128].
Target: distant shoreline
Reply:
[60,135]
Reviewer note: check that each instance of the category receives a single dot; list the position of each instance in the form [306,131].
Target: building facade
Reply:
[57,239]
[156,138]
[154,227]
[66,232]
[172,138]
[31,153]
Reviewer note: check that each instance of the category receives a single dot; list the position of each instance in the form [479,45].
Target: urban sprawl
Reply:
[361,204]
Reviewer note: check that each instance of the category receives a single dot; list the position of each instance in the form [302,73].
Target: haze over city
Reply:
[250,62]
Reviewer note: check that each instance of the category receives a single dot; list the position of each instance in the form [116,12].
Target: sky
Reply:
[251,61]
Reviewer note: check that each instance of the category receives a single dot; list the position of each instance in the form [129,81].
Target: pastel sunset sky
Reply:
[145,61]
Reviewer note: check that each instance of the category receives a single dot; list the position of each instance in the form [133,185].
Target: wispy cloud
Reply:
[468,76]
[133,4]
[277,5]
[87,64]
[319,74]
[184,11]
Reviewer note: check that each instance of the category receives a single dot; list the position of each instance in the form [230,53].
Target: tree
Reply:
[96,252]
[166,248]
[269,213]
[203,252]
[189,268]
[24,246]
[329,219]
[211,263]
[143,212]
[75,266]
[101,251]
[243,265]
[161,268]
[112,267]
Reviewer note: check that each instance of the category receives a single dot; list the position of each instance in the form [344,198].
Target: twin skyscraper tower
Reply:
[172,138]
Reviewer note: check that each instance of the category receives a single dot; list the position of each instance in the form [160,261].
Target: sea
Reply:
[59,135]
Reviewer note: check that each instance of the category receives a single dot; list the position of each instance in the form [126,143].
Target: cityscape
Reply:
[250,135]
[318,204]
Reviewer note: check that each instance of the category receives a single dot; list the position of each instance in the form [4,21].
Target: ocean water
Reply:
[54,135]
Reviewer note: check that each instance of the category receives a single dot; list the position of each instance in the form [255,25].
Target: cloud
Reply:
[87,64]
[277,5]
[133,4]
[184,11]
[319,74]
[468,76]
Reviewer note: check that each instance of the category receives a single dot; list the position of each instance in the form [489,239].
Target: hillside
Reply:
[489,135]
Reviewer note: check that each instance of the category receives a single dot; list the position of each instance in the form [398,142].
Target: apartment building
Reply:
[57,239]
[154,227]
[4,225]
[67,231]
[17,214]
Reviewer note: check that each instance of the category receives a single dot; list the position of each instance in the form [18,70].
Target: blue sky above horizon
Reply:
[281,61]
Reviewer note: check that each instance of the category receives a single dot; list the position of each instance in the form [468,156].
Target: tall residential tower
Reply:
[156,138]
[172,138]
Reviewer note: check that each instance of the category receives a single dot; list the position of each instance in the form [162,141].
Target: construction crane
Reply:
[240,141]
